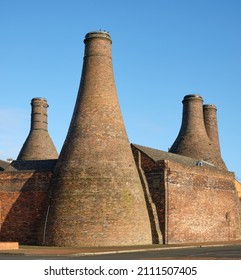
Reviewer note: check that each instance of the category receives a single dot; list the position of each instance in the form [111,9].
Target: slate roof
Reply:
[158,155]
[41,165]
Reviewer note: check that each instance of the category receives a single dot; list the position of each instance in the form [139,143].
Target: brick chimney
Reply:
[211,124]
[97,198]
[192,140]
[38,145]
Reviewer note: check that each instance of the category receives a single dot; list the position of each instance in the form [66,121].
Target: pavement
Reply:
[90,251]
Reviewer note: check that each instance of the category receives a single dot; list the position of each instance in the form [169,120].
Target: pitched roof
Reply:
[41,165]
[158,155]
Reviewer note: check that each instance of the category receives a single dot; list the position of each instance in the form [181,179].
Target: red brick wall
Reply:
[194,204]
[157,190]
[154,173]
[202,205]
[22,200]
[147,164]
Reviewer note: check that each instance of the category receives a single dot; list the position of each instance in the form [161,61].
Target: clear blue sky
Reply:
[162,50]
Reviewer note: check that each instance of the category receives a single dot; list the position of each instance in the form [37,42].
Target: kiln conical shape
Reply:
[38,145]
[192,140]
[211,124]
[97,197]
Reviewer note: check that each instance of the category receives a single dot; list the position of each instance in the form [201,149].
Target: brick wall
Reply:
[157,190]
[202,205]
[154,173]
[22,200]
[194,204]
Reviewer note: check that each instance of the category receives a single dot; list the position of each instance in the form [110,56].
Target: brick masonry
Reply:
[194,203]
[201,205]
[211,125]
[97,197]
[154,173]
[192,140]
[38,145]
[22,199]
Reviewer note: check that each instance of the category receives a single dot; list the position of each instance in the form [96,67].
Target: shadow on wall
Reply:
[154,192]
[22,205]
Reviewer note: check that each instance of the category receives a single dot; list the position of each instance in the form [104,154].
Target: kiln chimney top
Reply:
[97,34]
[39,99]
[209,106]
[192,96]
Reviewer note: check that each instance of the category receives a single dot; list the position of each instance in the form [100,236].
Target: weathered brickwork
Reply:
[22,199]
[157,237]
[194,203]
[97,197]
[154,173]
[95,194]
[192,140]
[202,205]
[38,145]
[211,125]
[157,191]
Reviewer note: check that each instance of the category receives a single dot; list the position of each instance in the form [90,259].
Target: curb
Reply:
[149,250]
[57,254]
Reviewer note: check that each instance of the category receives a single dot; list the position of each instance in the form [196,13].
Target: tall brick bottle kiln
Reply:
[38,145]
[193,140]
[211,124]
[97,198]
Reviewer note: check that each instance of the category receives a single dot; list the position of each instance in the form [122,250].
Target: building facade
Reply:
[102,191]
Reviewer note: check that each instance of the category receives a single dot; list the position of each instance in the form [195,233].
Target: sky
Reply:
[162,50]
